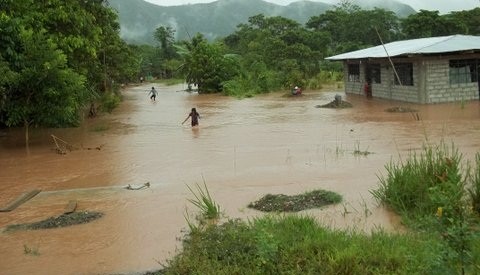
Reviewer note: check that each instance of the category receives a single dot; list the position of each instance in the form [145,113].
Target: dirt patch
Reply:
[399,109]
[60,221]
[284,203]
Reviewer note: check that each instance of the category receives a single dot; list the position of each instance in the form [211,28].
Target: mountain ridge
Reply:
[139,19]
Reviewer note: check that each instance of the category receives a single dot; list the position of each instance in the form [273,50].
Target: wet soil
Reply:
[243,149]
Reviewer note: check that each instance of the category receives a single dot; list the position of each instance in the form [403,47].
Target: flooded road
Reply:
[243,150]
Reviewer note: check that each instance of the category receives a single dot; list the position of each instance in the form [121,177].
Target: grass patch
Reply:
[284,203]
[298,245]
[429,191]
[60,221]
[209,210]
[413,187]
[474,188]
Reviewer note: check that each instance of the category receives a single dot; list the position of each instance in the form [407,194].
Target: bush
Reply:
[109,101]
[474,189]
[256,80]
[298,245]
[324,77]
[429,191]
[424,182]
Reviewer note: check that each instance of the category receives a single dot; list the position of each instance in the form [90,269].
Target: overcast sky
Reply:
[444,6]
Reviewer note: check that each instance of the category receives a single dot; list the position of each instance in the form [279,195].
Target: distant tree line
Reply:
[57,57]
[271,53]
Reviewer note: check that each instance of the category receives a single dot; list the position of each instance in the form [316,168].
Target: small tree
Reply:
[46,92]
[206,65]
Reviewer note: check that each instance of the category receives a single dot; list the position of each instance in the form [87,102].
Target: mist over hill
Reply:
[139,19]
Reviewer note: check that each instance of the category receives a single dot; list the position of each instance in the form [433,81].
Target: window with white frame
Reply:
[405,74]
[463,71]
[353,72]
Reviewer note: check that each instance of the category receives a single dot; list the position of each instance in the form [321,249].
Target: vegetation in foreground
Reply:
[299,245]
[437,201]
[434,193]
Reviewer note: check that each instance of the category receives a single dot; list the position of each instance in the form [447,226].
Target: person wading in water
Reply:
[194,115]
[153,93]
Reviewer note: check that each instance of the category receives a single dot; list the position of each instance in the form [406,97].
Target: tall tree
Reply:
[351,28]
[166,39]
[206,65]
[470,18]
[431,23]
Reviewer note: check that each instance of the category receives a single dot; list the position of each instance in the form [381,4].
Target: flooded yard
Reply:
[243,150]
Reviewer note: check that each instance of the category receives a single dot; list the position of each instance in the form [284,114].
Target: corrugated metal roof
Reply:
[432,45]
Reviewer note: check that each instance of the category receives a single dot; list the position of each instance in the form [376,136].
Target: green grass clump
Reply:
[209,209]
[429,191]
[109,101]
[474,190]
[298,245]
[284,203]
[418,186]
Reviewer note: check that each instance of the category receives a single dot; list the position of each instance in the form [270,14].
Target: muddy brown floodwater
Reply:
[243,150]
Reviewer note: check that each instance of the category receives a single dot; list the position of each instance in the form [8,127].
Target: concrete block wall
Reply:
[353,87]
[431,83]
[438,87]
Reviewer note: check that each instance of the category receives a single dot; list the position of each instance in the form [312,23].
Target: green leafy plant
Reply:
[209,209]
[474,190]
[429,192]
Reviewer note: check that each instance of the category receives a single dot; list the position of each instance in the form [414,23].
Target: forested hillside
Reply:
[139,19]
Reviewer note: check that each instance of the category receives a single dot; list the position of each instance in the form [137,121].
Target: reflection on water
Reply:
[243,149]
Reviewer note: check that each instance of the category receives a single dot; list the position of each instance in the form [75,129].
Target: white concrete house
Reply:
[427,70]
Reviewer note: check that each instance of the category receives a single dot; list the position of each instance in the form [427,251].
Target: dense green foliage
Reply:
[57,57]
[298,245]
[206,65]
[275,53]
[474,189]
